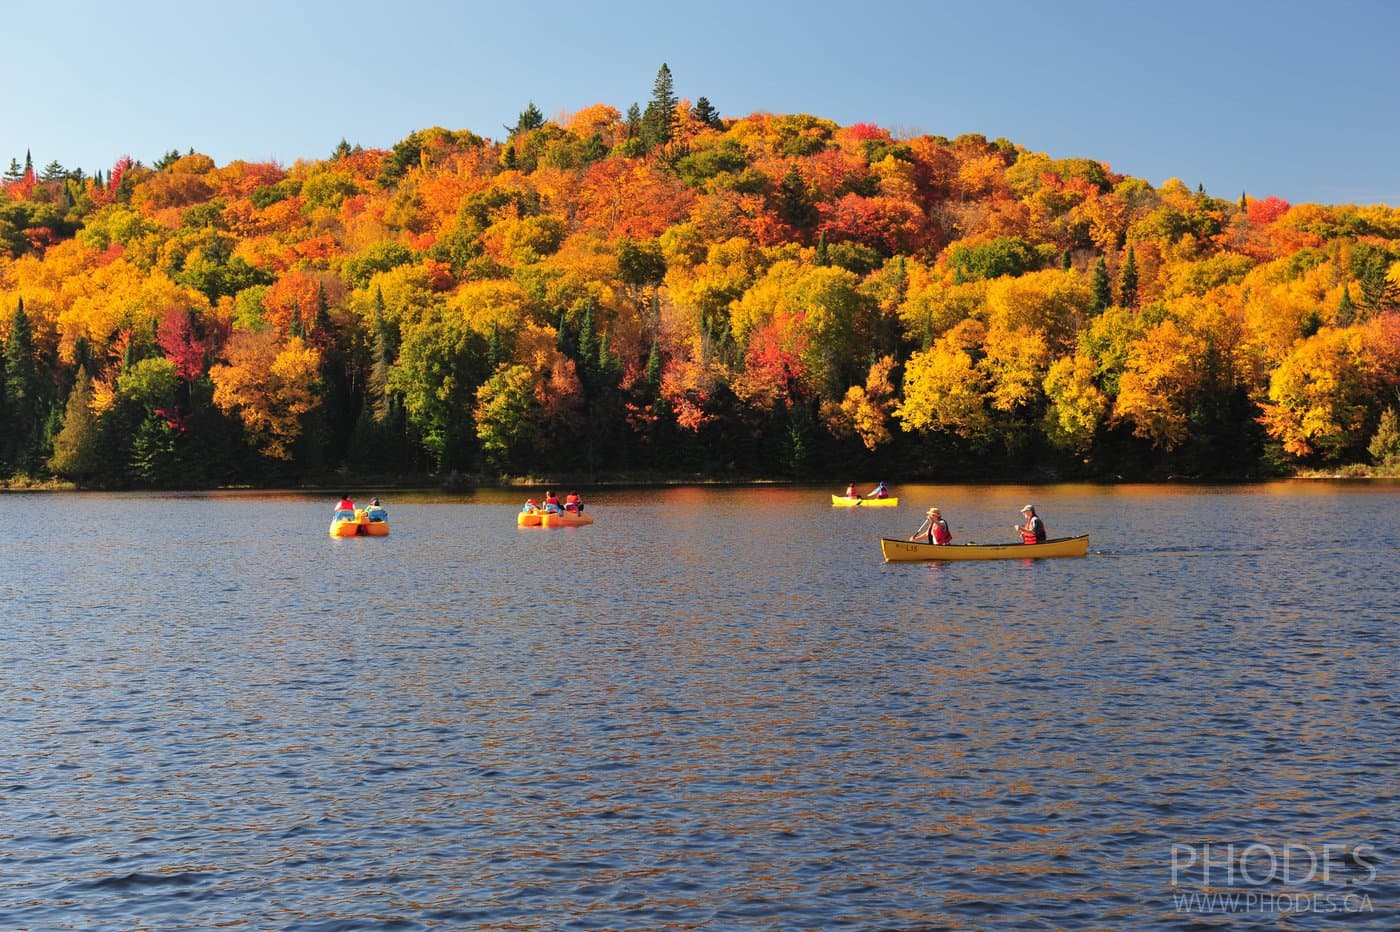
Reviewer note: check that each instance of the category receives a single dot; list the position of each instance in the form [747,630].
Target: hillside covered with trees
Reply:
[668,292]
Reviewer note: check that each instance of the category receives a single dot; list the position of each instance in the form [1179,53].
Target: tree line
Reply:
[668,292]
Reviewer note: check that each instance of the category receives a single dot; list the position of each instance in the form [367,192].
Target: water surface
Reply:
[712,708]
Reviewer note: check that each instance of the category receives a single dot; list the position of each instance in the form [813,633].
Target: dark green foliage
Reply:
[530,119]
[794,202]
[1346,310]
[76,451]
[270,194]
[380,257]
[24,405]
[698,167]
[1128,281]
[706,113]
[854,257]
[1369,265]
[1103,297]
[641,263]
[659,120]
[1005,255]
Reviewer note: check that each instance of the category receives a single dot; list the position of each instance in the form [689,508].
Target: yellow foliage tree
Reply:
[943,390]
[1076,404]
[269,386]
[865,411]
[1159,380]
[1316,400]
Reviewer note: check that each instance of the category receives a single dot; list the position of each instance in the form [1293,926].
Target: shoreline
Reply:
[462,483]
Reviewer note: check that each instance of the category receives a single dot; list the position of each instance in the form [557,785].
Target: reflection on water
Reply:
[712,707]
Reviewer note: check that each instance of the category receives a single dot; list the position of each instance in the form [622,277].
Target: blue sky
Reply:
[1281,98]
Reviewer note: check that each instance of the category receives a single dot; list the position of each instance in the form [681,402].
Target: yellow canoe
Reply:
[841,501]
[904,551]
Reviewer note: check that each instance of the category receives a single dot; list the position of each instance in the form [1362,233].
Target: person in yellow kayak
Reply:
[851,490]
[934,529]
[880,491]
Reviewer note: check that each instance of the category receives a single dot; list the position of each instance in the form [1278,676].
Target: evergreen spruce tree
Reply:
[634,121]
[1128,281]
[14,172]
[1346,311]
[1103,297]
[75,446]
[22,402]
[705,112]
[1244,202]
[587,350]
[530,118]
[794,202]
[823,257]
[1066,261]
[659,120]
[1385,443]
[495,354]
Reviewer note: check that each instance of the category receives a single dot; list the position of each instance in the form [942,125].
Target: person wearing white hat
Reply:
[1033,531]
[934,529]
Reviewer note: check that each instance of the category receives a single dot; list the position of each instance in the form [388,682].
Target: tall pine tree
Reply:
[659,120]
[75,447]
[1128,281]
[23,420]
[1103,295]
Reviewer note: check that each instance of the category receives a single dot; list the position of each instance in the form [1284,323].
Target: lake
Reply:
[715,707]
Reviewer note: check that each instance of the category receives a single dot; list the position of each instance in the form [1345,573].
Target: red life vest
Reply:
[940,533]
[1034,531]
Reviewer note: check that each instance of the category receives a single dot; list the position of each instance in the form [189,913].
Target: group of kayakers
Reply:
[934,529]
[550,504]
[345,509]
[880,491]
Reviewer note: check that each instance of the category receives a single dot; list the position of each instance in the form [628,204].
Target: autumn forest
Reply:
[665,292]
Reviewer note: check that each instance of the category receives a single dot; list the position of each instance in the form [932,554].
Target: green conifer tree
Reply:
[530,118]
[23,414]
[1346,310]
[1128,281]
[659,120]
[75,446]
[1103,297]
[706,113]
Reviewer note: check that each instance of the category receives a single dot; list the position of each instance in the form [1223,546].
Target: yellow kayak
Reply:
[841,501]
[905,551]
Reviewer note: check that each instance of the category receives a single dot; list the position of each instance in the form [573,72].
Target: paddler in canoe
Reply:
[933,530]
[1033,531]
